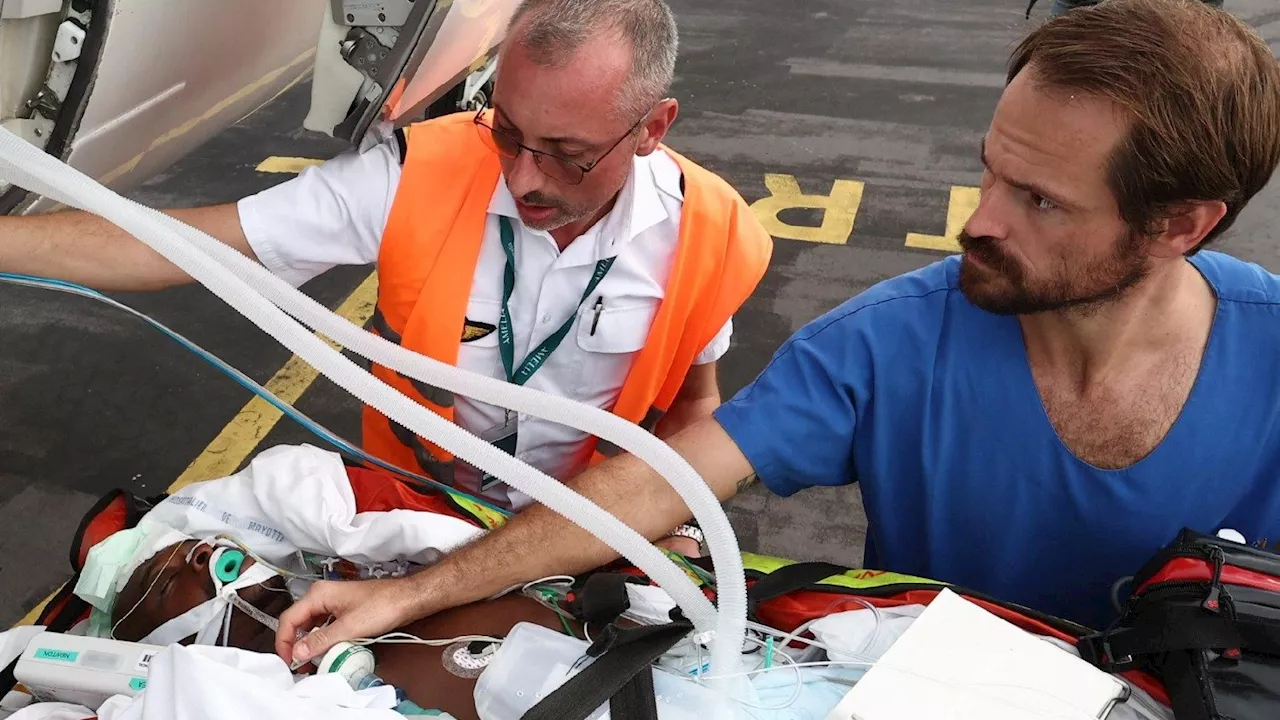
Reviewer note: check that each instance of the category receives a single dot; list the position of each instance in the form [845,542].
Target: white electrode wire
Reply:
[774,632]
[28,167]
[172,554]
[562,580]
[403,638]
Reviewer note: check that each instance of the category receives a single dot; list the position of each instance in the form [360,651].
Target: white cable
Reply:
[244,289]
[796,635]
[403,638]
[811,642]
[172,554]
[547,580]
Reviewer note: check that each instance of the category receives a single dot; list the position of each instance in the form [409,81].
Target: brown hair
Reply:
[1202,90]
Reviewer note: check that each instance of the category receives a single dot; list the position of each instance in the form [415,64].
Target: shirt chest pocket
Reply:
[478,351]
[609,341]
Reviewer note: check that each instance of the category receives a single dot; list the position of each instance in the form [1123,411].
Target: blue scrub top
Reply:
[928,403]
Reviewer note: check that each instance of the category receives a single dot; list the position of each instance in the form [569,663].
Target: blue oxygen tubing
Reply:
[245,381]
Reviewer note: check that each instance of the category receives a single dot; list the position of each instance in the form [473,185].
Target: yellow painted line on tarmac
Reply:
[292,165]
[962,205]
[245,432]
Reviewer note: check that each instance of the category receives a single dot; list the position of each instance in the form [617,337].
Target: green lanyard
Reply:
[539,354]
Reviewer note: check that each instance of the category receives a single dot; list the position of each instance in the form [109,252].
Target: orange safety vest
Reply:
[428,257]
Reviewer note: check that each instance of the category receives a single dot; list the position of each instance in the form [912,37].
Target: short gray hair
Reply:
[555,29]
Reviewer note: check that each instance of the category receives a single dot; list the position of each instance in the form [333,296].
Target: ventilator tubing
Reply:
[255,293]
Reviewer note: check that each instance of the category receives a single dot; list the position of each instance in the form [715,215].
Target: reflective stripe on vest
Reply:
[432,243]
[437,469]
[439,396]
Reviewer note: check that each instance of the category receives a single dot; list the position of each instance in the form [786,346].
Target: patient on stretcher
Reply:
[180,580]
[218,562]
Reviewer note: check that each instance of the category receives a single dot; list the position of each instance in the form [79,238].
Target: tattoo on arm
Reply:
[747,482]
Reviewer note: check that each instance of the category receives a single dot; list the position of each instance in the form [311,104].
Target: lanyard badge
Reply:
[506,436]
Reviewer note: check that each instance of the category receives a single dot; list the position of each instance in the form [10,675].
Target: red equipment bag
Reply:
[1204,617]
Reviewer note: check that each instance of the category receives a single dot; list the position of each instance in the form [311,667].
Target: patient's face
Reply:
[168,585]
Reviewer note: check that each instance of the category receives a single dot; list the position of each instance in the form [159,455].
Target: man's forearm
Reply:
[699,396]
[685,413]
[83,248]
[539,543]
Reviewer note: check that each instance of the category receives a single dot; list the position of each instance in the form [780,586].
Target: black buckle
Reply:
[1098,651]
[1109,662]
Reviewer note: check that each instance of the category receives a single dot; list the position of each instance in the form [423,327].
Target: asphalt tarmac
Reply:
[870,113]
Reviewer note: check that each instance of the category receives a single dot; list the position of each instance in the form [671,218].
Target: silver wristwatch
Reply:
[689,531]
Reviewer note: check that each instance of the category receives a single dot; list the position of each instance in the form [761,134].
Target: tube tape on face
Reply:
[203,620]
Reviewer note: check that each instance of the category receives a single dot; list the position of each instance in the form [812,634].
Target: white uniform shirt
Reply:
[335,214]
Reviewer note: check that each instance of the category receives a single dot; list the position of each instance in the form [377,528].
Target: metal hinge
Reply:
[45,102]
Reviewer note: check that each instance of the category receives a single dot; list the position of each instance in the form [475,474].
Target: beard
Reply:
[995,281]
[564,214]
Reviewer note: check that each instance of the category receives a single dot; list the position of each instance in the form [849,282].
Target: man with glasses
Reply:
[548,240]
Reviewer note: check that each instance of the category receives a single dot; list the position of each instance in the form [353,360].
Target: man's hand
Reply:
[363,609]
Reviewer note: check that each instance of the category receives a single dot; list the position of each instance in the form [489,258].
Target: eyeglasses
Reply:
[555,167]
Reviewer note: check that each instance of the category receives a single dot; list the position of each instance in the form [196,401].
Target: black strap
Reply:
[380,325]
[620,675]
[402,144]
[1165,629]
[437,469]
[1189,697]
[636,699]
[602,599]
[789,579]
